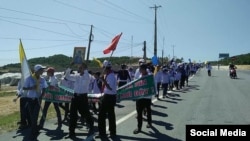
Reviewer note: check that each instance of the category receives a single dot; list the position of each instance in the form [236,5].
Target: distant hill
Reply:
[61,62]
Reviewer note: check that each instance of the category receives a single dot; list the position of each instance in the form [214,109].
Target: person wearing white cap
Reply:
[137,72]
[107,107]
[35,85]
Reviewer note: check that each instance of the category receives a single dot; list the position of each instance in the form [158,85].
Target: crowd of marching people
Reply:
[171,76]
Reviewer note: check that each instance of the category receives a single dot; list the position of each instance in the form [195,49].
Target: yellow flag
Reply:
[98,61]
[25,69]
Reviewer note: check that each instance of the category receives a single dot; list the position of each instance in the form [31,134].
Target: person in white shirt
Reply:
[209,68]
[108,102]
[177,78]
[165,79]
[131,73]
[24,111]
[96,89]
[137,71]
[35,85]
[53,82]
[157,77]
[79,103]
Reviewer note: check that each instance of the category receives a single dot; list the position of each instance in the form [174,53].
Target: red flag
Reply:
[113,44]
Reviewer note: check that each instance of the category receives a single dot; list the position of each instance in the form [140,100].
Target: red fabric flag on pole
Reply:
[113,44]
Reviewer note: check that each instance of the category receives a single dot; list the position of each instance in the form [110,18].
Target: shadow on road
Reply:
[166,100]
[189,88]
[57,134]
[159,106]
[154,112]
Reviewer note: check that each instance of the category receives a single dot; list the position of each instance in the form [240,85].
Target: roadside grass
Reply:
[9,122]
[4,93]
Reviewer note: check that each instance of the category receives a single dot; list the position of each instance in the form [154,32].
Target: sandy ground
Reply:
[7,105]
[243,67]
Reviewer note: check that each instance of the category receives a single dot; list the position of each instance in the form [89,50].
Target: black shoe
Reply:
[136,131]
[112,136]
[71,136]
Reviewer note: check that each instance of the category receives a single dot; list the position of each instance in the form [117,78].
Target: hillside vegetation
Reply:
[61,62]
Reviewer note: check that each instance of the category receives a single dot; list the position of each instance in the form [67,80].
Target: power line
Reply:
[31,14]
[36,39]
[38,28]
[93,13]
[129,12]
[37,48]
[43,22]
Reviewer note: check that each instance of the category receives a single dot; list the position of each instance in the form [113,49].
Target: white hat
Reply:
[141,61]
[38,67]
[106,63]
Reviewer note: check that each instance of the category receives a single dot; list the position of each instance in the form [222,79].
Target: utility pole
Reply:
[90,40]
[162,60]
[155,33]
[173,50]
[131,58]
[144,50]
[163,51]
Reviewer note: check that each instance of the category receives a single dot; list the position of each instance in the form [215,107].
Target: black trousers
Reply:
[79,104]
[182,81]
[107,107]
[176,83]
[45,110]
[165,88]
[65,107]
[34,107]
[141,104]
[24,111]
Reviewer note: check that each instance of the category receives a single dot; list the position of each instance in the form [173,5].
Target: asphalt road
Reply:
[206,100]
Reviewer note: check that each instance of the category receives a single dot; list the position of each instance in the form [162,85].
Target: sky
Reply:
[190,29]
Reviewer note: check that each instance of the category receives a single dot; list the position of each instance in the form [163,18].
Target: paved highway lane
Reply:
[207,100]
